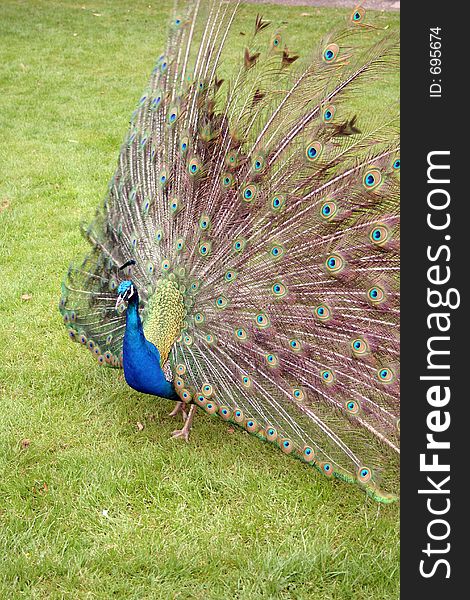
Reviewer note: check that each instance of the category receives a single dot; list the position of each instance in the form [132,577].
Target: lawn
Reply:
[96,500]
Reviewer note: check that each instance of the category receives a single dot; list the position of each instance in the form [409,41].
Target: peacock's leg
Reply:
[179,408]
[184,432]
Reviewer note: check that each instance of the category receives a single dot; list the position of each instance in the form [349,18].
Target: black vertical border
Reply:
[434,124]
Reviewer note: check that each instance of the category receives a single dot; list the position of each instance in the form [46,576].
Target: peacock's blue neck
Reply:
[134,329]
[141,359]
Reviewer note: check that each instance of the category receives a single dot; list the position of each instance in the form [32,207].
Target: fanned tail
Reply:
[273,208]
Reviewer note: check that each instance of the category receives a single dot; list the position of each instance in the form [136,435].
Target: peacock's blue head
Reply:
[126,290]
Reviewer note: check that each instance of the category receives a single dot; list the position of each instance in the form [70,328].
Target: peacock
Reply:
[245,260]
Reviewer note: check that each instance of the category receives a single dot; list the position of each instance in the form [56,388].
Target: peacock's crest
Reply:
[261,216]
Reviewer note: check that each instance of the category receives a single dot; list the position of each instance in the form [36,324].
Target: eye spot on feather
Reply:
[134,242]
[276,251]
[156,101]
[258,163]
[194,166]
[241,334]
[158,235]
[230,276]
[322,312]
[109,338]
[360,346]
[279,289]
[262,320]
[277,202]
[246,381]
[330,53]
[194,286]
[224,412]
[313,151]
[276,41]
[165,264]
[143,140]
[379,235]
[207,390]
[385,375]
[239,245]
[185,395]
[113,284]
[174,205]
[172,115]
[163,177]
[328,210]
[145,208]
[352,407]
[308,454]
[231,159]
[180,369]
[204,222]
[297,394]
[271,434]
[271,360]
[327,376]
[295,345]
[227,180]
[179,244]
[372,179]
[150,268]
[396,165]
[376,295]
[210,339]
[286,446]
[221,302]
[200,400]
[334,263]
[327,468]
[82,339]
[329,113]
[364,474]
[358,15]
[238,416]
[199,318]
[251,425]
[249,192]
[72,334]
[205,248]
[188,340]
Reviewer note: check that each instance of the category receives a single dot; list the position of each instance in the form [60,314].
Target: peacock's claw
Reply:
[184,431]
[179,408]
[181,433]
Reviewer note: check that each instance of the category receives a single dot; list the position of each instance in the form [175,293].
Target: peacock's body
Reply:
[257,222]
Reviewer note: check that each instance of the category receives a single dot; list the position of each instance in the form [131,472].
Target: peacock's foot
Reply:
[184,431]
[179,408]
[181,433]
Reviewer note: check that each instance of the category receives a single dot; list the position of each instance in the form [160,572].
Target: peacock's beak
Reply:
[120,299]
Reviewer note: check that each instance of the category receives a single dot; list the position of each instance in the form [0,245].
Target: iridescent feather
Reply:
[262,215]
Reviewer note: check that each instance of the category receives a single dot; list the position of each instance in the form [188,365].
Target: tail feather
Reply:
[273,205]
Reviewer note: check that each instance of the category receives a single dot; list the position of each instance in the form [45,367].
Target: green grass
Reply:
[93,507]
